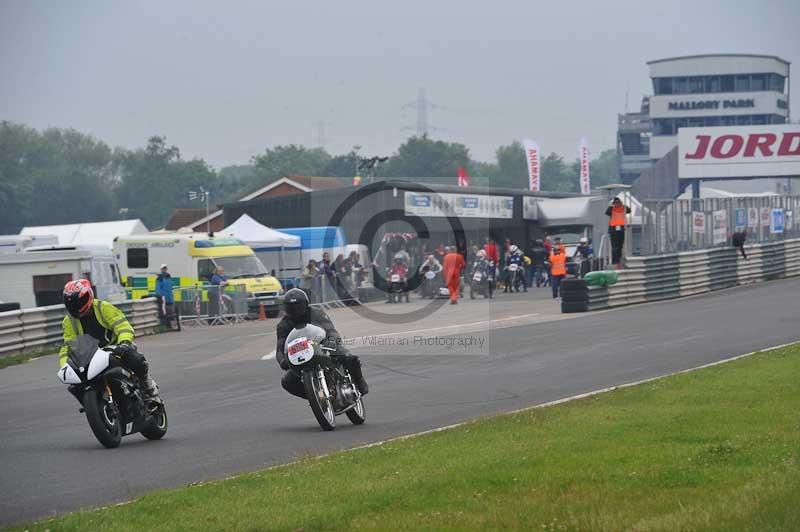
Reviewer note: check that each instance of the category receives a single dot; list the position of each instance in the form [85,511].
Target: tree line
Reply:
[59,176]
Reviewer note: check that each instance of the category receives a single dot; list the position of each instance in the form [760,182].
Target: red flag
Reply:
[463,177]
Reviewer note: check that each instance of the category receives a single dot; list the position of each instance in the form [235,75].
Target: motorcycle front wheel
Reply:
[103,418]
[322,407]
[357,415]
[158,425]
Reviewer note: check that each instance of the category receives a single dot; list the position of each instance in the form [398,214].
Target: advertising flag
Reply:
[583,157]
[533,157]
[463,177]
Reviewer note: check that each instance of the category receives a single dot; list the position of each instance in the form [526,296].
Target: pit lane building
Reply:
[712,90]
[439,213]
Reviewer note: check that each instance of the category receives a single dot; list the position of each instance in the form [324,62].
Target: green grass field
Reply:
[715,449]
[13,360]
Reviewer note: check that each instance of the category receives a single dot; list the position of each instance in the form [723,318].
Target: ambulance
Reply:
[192,259]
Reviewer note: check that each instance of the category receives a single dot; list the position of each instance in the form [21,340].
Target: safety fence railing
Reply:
[331,291]
[672,226]
[658,277]
[38,328]
[212,305]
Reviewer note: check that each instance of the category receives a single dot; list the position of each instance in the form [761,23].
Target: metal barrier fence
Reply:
[684,225]
[212,305]
[332,291]
[36,328]
[661,277]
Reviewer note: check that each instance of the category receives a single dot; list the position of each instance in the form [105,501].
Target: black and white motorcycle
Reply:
[329,388]
[111,395]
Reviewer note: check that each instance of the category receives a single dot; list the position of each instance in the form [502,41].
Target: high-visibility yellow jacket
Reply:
[108,316]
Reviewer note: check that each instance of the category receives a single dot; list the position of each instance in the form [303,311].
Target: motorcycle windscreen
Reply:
[81,352]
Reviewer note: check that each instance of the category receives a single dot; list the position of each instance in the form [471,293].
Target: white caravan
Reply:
[36,276]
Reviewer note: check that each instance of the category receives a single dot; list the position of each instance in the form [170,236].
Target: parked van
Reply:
[35,277]
[192,259]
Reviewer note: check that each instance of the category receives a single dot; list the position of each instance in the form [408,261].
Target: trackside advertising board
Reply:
[462,205]
[741,151]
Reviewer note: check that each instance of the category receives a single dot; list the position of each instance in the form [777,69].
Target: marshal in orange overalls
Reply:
[453,264]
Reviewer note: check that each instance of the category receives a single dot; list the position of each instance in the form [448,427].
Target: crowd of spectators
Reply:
[341,278]
[325,280]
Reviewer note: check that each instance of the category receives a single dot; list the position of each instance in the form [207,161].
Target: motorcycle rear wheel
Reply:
[357,415]
[103,418]
[324,413]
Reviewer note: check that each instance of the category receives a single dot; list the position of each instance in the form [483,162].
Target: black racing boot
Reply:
[353,365]
[150,389]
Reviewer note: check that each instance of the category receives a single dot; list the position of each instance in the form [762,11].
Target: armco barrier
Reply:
[658,277]
[36,328]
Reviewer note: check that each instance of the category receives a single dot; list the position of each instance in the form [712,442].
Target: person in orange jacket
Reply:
[616,229]
[558,269]
[453,264]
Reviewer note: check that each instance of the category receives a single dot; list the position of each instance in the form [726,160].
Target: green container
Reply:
[601,278]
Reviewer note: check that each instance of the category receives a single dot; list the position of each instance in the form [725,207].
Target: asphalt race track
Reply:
[229,414]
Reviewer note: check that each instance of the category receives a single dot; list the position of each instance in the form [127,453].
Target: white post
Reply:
[208,222]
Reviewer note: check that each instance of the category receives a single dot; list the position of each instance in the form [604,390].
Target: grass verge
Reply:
[13,360]
[715,449]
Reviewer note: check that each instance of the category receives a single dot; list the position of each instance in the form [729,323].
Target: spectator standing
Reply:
[538,254]
[616,229]
[327,275]
[164,294]
[340,272]
[219,278]
[308,278]
[738,240]
[356,268]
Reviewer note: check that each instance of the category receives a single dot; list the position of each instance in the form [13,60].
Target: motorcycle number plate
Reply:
[395,278]
[477,277]
[513,267]
[300,351]
[430,275]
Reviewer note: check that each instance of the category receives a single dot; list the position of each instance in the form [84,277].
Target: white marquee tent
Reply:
[88,234]
[278,251]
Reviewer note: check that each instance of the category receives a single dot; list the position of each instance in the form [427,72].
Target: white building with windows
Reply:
[701,91]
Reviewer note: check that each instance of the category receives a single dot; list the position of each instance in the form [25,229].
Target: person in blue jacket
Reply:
[164,292]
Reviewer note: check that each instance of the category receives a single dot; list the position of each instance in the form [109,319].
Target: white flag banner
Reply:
[583,157]
[533,157]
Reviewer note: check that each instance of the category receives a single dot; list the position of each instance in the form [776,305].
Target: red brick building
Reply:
[196,220]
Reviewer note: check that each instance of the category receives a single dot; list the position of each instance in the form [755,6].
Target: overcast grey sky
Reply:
[224,80]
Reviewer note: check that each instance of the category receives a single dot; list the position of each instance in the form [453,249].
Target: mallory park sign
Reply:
[711,104]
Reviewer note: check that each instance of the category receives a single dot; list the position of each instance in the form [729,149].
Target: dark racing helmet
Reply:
[78,297]
[295,303]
